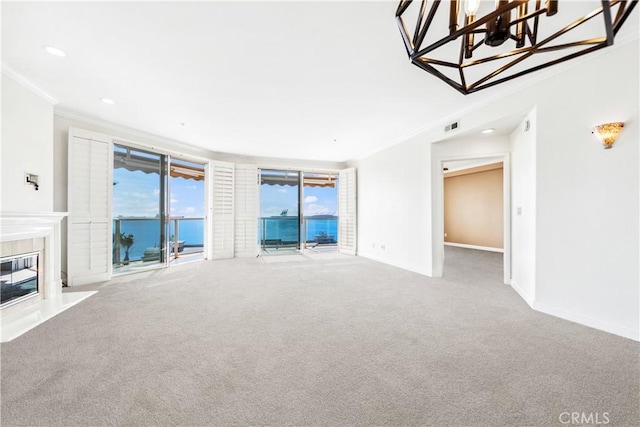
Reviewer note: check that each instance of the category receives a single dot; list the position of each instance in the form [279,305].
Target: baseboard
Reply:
[393,264]
[632,334]
[480,248]
[524,295]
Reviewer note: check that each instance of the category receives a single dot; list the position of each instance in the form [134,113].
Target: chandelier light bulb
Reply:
[471,7]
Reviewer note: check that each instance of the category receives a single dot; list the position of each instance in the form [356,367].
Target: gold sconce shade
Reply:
[608,133]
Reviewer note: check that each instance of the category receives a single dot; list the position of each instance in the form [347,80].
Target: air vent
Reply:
[452,126]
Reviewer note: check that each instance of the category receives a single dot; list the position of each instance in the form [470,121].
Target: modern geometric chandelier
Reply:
[484,43]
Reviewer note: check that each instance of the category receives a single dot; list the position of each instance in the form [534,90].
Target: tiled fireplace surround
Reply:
[23,232]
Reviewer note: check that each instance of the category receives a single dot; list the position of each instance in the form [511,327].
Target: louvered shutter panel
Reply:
[222,221]
[89,228]
[246,211]
[347,211]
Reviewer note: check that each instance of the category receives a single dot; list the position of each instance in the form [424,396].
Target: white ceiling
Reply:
[280,79]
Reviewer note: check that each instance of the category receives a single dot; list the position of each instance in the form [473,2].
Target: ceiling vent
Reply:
[452,126]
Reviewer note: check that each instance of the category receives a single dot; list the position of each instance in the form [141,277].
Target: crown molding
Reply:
[28,84]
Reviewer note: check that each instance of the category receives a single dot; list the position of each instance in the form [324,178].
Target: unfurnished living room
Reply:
[320,213]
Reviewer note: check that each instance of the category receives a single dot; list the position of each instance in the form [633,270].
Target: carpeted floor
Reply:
[323,341]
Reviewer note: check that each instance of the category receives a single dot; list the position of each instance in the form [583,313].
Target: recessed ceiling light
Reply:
[54,51]
[490,130]
[108,101]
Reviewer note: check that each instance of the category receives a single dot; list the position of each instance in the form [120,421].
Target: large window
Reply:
[298,210]
[186,212]
[279,210]
[158,209]
[139,207]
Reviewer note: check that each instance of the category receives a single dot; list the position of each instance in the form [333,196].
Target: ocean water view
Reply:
[286,228]
[146,233]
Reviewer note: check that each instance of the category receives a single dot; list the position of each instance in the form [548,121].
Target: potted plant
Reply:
[126,241]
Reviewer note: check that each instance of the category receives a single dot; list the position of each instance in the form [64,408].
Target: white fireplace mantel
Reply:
[21,317]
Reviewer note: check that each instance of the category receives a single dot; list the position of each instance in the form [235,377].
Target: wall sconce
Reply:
[607,133]
[32,179]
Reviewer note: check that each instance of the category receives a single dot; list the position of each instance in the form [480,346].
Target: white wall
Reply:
[27,146]
[587,198]
[587,208]
[523,208]
[393,207]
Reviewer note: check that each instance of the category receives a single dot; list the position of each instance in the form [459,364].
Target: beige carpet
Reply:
[328,342]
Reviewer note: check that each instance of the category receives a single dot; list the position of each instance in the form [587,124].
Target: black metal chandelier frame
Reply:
[525,32]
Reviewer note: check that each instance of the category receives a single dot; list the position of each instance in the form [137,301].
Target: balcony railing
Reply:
[185,234]
[282,231]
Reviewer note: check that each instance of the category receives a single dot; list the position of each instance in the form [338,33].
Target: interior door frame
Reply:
[438,211]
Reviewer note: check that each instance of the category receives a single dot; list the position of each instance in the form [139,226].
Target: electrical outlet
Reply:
[383,247]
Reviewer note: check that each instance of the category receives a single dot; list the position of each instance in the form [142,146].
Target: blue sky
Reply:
[138,194]
[317,200]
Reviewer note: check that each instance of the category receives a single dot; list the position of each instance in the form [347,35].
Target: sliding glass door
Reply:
[139,208]
[158,209]
[320,211]
[186,220]
[298,211]
[279,211]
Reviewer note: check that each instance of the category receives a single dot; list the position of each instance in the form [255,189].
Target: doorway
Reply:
[279,227]
[158,210]
[473,205]
[186,213]
[320,212]
[439,237]
[298,212]
[139,208]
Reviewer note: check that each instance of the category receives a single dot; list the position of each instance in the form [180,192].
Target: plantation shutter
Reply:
[347,211]
[246,211]
[222,221]
[89,226]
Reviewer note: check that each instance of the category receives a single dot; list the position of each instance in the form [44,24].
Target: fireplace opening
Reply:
[18,278]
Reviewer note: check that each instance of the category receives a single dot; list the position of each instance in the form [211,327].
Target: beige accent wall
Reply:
[473,206]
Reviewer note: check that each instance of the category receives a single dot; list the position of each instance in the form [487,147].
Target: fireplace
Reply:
[19,278]
[30,267]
